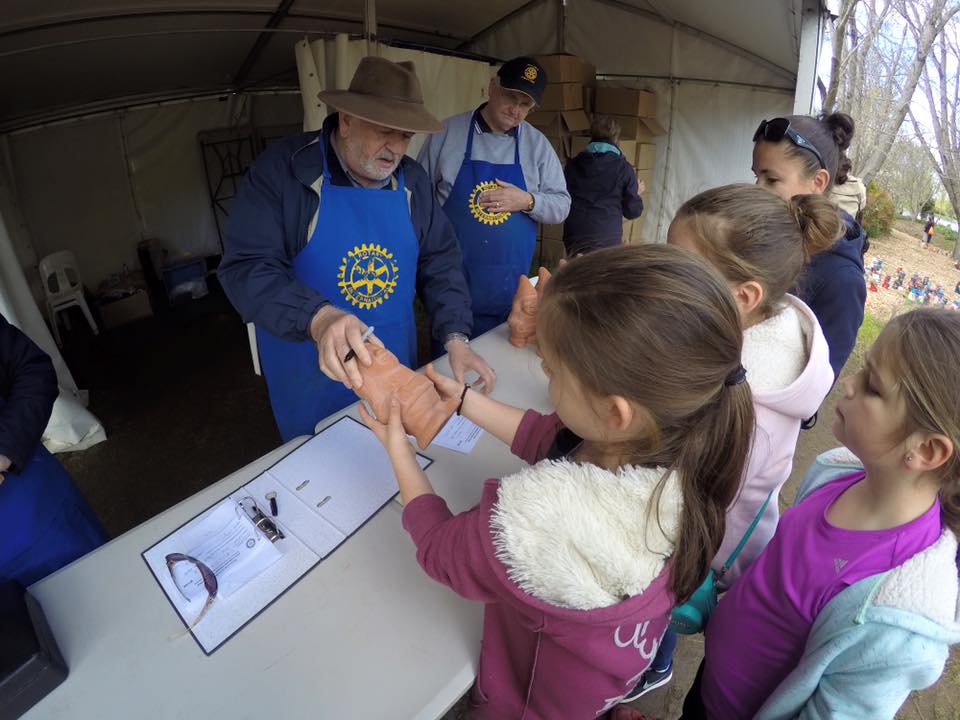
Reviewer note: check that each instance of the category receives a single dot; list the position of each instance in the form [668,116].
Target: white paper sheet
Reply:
[459,434]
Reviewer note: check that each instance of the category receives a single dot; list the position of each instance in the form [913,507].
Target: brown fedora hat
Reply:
[384,93]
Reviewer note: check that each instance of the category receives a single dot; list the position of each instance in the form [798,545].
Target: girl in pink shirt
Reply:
[580,558]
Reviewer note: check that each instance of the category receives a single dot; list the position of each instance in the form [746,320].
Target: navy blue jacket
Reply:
[268,226]
[834,288]
[603,191]
[28,387]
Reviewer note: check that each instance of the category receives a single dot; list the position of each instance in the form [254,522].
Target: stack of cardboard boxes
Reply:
[636,111]
[571,97]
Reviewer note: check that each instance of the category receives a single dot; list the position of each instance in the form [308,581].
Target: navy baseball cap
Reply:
[523,74]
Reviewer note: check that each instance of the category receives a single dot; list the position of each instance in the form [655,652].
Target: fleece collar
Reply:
[784,336]
[581,537]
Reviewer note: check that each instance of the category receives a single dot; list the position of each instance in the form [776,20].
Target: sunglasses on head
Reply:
[778,128]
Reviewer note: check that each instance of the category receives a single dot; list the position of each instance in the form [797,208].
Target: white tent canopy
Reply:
[102,102]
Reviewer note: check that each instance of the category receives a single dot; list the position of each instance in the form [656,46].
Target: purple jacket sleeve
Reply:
[535,436]
[28,388]
[450,547]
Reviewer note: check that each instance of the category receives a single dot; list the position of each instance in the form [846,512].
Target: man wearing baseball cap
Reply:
[497,177]
[336,231]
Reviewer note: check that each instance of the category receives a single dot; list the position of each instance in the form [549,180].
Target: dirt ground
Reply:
[901,249]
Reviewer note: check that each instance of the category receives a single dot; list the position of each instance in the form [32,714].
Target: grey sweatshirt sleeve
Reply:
[544,177]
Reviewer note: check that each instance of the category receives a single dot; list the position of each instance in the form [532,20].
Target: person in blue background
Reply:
[603,190]
[44,521]
[497,177]
[335,231]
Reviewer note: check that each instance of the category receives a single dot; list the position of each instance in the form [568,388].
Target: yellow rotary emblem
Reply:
[530,73]
[482,214]
[367,276]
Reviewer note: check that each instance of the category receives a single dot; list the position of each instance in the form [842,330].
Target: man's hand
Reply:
[5,464]
[509,198]
[463,360]
[336,333]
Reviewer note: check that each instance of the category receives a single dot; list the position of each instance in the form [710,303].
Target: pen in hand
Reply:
[363,338]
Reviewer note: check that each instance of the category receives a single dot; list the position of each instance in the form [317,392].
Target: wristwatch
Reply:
[533,201]
[456,336]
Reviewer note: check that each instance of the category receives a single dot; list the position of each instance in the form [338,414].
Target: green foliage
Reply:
[867,335]
[879,213]
[928,207]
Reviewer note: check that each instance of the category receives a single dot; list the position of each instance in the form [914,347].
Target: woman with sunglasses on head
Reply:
[800,155]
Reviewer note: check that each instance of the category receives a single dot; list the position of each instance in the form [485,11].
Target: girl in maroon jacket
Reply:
[580,557]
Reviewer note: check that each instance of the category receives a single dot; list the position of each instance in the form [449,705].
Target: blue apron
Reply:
[44,521]
[362,256]
[496,247]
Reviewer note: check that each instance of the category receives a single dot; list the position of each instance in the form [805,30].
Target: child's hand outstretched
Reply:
[410,477]
[447,387]
[389,430]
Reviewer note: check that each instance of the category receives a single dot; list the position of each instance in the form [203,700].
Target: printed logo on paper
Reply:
[530,73]
[367,276]
[485,215]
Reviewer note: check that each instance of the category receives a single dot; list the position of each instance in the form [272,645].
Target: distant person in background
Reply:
[928,231]
[848,191]
[44,521]
[603,190]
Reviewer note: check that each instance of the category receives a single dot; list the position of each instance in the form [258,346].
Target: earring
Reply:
[909,458]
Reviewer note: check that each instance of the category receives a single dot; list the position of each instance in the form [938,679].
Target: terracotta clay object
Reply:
[522,320]
[424,413]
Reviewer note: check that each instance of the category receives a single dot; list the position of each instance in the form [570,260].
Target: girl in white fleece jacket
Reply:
[760,244]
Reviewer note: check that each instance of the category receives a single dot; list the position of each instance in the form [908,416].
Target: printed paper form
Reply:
[459,434]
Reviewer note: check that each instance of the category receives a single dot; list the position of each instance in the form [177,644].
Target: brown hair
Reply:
[922,348]
[830,134]
[748,233]
[674,337]
[604,127]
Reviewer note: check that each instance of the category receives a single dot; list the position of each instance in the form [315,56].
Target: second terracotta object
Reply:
[424,413]
[522,320]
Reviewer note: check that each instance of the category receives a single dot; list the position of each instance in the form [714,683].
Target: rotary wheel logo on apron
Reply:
[479,213]
[367,276]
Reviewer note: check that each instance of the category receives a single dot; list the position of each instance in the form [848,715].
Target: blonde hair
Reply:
[748,233]
[670,337]
[922,350]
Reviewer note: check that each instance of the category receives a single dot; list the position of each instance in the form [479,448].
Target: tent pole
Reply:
[811,38]
[370,26]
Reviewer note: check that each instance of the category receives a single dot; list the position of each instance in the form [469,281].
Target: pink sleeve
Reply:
[450,547]
[535,436]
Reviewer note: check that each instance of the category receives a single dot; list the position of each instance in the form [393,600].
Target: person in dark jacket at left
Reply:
[603,191]
[336,231]
[44,521]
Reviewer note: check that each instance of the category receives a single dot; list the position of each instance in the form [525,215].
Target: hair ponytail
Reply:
[748,233]
[653,304]
[819,222]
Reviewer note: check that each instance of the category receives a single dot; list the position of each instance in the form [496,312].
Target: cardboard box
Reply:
[647,177]
[561,68]
[588,98]
[588,74]
[643,130]
[555,123]
[578,143]
[625,101]
[559,147]
[631,231]
[562,96]
[646,156]
[119,312]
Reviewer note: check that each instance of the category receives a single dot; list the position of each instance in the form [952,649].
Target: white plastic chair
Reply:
[61,284]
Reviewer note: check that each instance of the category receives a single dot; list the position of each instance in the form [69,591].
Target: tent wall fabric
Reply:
[450,84]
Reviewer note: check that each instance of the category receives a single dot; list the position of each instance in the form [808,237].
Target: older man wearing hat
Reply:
[336,231]
[497,177]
